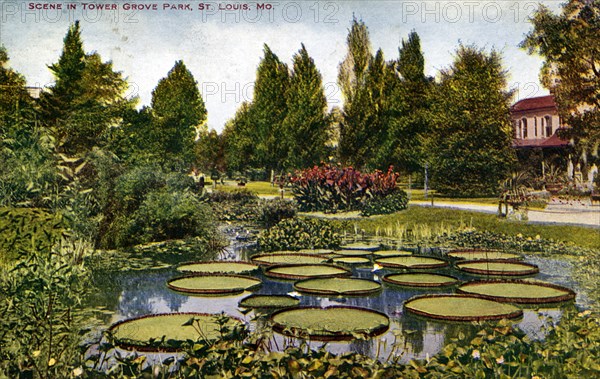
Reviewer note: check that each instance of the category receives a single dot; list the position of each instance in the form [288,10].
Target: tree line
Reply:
[456,125]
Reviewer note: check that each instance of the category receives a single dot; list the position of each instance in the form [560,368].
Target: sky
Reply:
[222,46]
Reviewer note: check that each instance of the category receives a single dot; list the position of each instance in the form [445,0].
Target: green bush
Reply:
[394,202]
[236,206]
[299,233]
[167,215]
[27,230]
[273,211]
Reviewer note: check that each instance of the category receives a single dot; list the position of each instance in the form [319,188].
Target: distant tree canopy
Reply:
[86,100]
[469,142]
[570,44]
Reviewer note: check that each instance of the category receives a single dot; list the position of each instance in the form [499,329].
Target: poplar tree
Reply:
[178,115]
[306,126]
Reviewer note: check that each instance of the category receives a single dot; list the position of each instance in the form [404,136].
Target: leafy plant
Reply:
[391,203]
[298,233]
[273,211]
[330,188]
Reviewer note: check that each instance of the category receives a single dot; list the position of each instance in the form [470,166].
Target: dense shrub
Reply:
[237,206]
[273,211]
[27,230]
[391,203]
[243,196]
[331,188]
[299,233]
[167,215]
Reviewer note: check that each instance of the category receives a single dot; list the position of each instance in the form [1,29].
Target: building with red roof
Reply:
[535,122]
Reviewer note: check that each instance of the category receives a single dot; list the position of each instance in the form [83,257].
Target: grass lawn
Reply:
[434,217]
[419,195]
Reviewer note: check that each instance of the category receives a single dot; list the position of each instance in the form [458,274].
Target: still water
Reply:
[127,294]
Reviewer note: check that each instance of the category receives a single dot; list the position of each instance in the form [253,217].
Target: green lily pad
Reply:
[221,267]
[297,272]
[498,267]
[166,332]
[287,259]
[351,261]
[316,251]
[329,324]
[420,280]
[360,246]
[338,286]
[412,262]
[353,253]
[213,284]
[269,301]
[460,308]
[475,254]
[391,253]
[518,291]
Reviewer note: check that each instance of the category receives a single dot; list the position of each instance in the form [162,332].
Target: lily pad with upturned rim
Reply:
[287,259]
[360,246]
[338,286]
[316,251]
[353,253]
[411,262]
[460,308]
[219,284]
[298,272]
[518,291]
[500,267]
[391,253]
[420,280]
[218,267]
[146,333]
[269,301]
[476,254]
[353,261]
[336,323]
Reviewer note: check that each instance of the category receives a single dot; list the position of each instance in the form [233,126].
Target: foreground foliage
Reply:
[299,233]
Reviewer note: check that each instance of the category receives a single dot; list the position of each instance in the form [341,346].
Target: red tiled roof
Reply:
[552,141]
[534,103]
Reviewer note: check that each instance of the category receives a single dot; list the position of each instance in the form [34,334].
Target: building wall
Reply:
[535,124]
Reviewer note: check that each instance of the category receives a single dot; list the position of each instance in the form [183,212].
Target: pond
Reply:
[128,293]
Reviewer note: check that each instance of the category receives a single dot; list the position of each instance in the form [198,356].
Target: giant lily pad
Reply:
[518,291]
[218,267]
[297,272]
[166,332]
[338,286]
[287,259]
[498,267]
[413,262]
[316,251]
[269,301]
[218,284]
[353,253]
[360,246]
[359,261]
[475,254]
[420,280]
[391,253]
[336,323]
[460,308]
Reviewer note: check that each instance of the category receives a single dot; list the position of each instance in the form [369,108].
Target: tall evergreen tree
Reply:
[87,98]
[402,146]
[469,144]
[179,114]
[307,123]
[238,141]
[269,109]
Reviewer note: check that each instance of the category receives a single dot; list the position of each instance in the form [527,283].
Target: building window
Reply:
[524,127]
[548,120]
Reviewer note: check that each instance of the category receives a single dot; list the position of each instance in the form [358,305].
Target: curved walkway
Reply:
[553,214]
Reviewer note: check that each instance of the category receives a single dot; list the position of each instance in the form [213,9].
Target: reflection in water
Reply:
[136,293]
